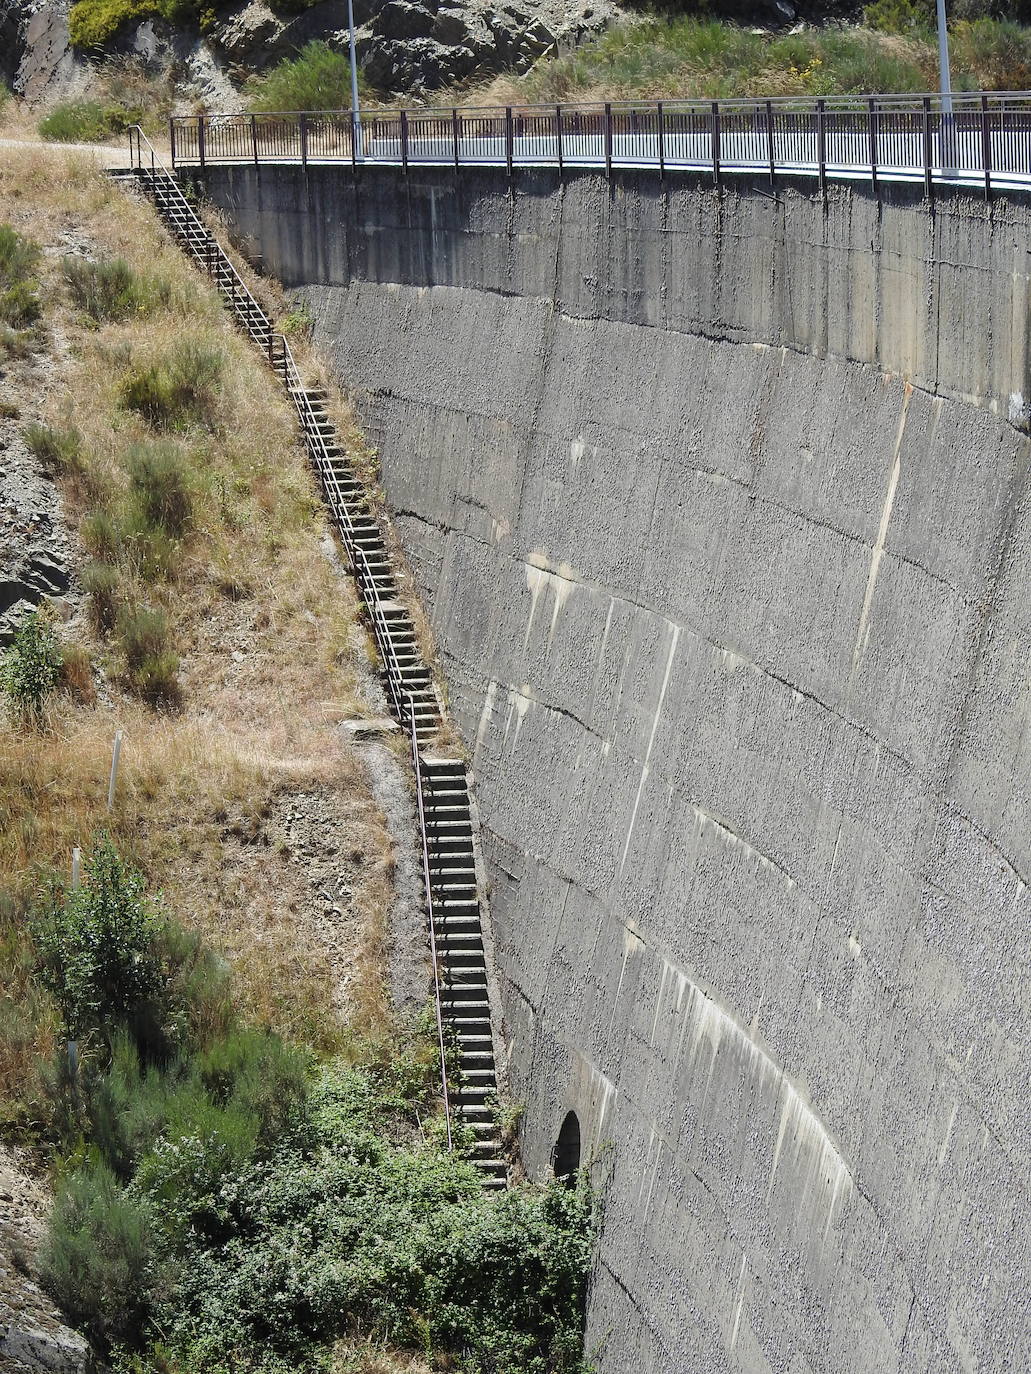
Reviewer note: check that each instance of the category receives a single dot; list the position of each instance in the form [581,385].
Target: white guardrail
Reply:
[981,139]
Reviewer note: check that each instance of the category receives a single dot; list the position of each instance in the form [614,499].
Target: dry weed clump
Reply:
[208,587]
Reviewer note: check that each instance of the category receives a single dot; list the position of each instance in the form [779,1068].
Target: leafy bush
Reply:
[218,1210]
[59,449]
[318,78]
[996,54]
[280,1220]
[151,666]
[102,584]
[31,668]
[95,946]
[341,1230]
[179,390]
[112,290]
[19,299]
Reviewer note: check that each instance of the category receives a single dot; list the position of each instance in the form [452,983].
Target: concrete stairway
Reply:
[455,913]
[447,830]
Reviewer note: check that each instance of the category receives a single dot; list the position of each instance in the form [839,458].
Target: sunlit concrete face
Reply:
[719,504]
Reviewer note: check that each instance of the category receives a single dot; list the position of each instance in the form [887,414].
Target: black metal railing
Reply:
[982,138]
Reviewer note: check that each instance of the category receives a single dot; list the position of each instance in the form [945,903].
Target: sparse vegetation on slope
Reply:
[249,1166]
[123,91]
[207,539]
[697,57]
[318,78]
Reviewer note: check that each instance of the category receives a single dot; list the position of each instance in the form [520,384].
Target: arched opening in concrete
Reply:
[566,1154]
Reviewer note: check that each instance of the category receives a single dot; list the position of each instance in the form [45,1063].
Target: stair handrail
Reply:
[364,576]
[137,139]
[417,766]
[363,572]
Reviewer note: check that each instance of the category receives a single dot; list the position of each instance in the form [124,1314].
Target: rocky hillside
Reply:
[404,46]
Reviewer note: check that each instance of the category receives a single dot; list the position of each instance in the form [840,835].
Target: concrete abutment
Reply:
[719,504]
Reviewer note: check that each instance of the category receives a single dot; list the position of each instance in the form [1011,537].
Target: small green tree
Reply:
[96,947]
[31,668]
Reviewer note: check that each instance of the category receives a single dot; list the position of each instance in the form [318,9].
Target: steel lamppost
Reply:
[356,118]
[948,127]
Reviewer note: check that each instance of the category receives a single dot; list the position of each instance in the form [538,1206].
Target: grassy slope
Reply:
[690,57]
[250,577]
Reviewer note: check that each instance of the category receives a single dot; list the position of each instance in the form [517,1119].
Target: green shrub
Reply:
[340,1230]
[19,300]
[91,23]
[98,1259]
[103,537]
[158,478]
[95,947]
[112,290]
[76,121]
[103,585]
[179,390]
[31,668]
[59,449]
[900,16]
[318,78]
[151,666]
[996,54]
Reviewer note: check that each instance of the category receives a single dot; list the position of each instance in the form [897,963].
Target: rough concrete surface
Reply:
[719,502]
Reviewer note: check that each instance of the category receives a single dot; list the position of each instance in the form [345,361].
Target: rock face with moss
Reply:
[403,45]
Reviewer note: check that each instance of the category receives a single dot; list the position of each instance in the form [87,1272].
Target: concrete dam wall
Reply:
[719,504]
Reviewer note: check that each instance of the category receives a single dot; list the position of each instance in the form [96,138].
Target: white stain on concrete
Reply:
[632,942]
[673,641]
[1016,411]
[519,701]
[854,946]
[948,1134]
[540,576]
[577,449]
[703,1032]
[877,553]
[734,842]
[803,1141]
[740,1302]
[485,716]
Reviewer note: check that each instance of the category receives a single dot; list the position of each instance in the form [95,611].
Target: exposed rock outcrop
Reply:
[34,551]
[403,45]
[34,1338]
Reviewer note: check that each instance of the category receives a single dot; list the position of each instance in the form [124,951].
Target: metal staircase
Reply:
[445,815]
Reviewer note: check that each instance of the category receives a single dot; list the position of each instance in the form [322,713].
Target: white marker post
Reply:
[76,868]
[115,754]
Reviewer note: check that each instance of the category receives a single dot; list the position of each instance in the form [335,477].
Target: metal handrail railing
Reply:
[215,262]
[229,282]
[984,136]
[417,765]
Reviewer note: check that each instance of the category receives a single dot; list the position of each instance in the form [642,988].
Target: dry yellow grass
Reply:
[363,459]
[264,626]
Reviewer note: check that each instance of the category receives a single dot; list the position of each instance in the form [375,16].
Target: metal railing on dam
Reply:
[984,139]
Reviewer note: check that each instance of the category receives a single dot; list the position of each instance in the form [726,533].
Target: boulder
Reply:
[400,19]
[414,64]
[246,31]
[451,26]
[49,67]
